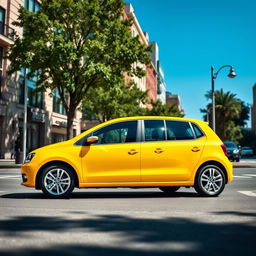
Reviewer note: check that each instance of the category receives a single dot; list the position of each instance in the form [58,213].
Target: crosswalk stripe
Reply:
[248,193]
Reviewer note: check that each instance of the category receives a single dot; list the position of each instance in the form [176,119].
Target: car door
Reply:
[116,156]
[170,150]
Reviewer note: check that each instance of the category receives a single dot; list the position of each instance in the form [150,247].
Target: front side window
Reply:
[122,132]
[154,130]
[179,130]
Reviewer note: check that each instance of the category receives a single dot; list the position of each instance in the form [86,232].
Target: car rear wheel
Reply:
[57,181]
[169,190]
[210,181]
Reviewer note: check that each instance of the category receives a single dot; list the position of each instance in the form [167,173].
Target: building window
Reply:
[1,78]
[58,137]
[2,20]
[58,106]
[34,99]
[1,56]
[32,5]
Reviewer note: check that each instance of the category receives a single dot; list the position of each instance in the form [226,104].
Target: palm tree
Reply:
[228,108]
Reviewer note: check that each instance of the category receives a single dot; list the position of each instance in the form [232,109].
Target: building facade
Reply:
[161,86]
[148,82]
[46,115]
[174,99]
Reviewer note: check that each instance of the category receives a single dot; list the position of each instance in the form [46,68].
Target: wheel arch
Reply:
[212,162]
[39,173]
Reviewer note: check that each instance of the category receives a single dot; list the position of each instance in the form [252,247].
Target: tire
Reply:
[237,160]
[210,181]
[57,181]
[169,190]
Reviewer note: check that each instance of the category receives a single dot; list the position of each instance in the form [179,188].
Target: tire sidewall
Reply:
[72,181]
[198,186]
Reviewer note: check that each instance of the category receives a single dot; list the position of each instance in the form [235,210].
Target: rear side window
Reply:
[179,130]
[154,130]
[197,131]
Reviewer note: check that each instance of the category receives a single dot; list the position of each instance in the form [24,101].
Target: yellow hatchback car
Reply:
[162,152]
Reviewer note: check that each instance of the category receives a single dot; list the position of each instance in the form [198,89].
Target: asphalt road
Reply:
[120,222]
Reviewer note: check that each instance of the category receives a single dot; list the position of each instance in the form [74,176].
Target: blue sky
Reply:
[194,35]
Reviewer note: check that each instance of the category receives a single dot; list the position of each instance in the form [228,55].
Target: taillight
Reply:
[224,149]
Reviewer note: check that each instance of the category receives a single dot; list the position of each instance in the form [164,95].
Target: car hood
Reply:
[53,146]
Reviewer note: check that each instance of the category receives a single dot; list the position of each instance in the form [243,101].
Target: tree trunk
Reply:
[71,116]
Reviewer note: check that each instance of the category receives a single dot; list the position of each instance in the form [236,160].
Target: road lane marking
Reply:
[248,193]
[10,177]
[243,177]
[250,175]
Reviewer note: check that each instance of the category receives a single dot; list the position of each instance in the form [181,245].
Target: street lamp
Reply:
[231,74]
[25,116]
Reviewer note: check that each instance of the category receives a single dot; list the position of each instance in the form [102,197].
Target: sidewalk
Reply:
[8,163]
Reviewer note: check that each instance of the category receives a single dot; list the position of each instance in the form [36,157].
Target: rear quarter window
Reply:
[197,131]
[179,130]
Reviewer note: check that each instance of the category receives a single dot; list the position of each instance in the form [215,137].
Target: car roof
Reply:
[155,117]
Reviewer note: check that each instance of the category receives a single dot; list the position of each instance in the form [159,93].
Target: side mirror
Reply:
[92,140]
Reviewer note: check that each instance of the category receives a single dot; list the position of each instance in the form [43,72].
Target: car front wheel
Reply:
[210,181]
[57,181]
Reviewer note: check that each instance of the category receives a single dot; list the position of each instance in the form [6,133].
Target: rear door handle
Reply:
[133,152]
[195,149]
[158,151]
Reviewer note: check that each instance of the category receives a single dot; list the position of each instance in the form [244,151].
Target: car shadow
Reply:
[105,195]
[166,236]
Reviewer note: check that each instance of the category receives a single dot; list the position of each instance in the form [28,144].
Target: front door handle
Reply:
[195,149]
[133,152]
[158,151]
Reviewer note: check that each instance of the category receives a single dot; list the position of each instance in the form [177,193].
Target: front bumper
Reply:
[28,173]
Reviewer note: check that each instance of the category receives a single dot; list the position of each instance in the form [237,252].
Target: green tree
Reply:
[73,45]
[248,139]
[160,109]
[244,114]
[227,109]
[118,101]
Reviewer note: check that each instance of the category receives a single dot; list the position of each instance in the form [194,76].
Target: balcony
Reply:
[7,34]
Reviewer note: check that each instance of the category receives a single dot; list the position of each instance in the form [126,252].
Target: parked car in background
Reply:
[233,151]
[247,151]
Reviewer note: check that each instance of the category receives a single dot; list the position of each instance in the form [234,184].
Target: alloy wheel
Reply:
[57,181]
[211,180]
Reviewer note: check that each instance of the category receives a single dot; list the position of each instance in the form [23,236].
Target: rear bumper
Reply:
[229,169]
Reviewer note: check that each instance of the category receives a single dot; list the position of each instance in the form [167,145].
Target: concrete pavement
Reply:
[128,221]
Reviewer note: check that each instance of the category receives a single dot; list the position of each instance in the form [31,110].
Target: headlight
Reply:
[236,151]
[29,157]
